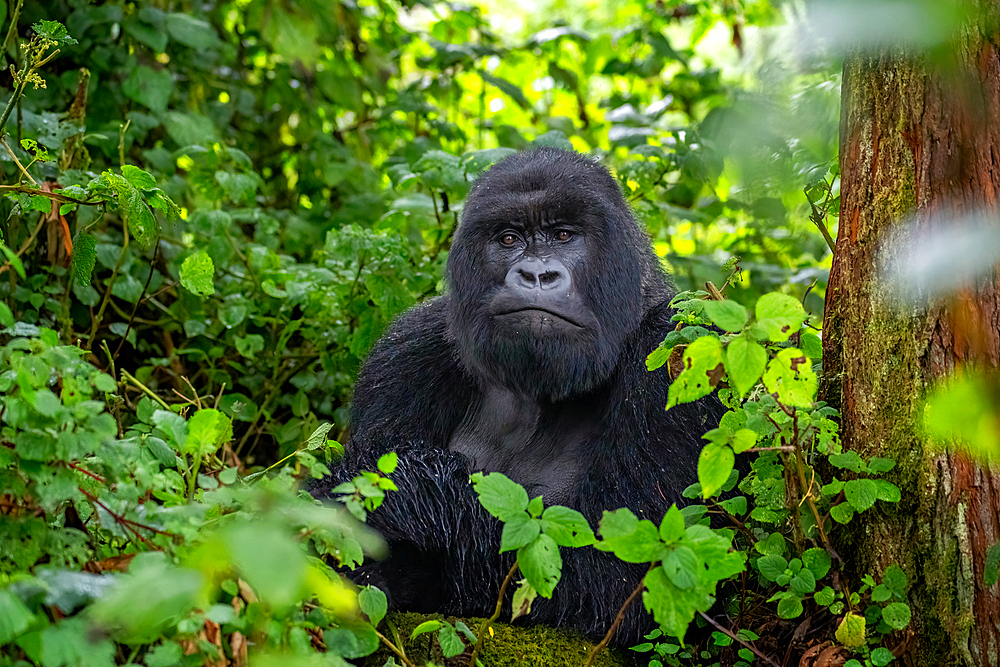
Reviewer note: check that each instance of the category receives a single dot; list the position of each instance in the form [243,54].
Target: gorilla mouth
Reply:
[536,311]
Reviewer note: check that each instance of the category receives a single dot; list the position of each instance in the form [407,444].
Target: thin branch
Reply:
[145,288]
[733,636]
[395,649]
[3,142]
[484,626]
[149,392]
[618,619]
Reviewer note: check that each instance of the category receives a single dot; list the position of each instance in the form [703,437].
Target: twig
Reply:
[733,636]
[149,392]
[85,471]
[145,288]
[484,626]
[3,142]
[107,292]
[395,649]
[14,17]
[131,525]
[618,620]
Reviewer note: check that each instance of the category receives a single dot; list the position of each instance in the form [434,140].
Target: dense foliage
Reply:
[213,209]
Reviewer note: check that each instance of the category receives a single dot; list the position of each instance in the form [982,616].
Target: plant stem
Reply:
[733,636]
[484,626]
[192,483]
[618,619]
[107,293]
[14,17]
[149,392]
[395,649]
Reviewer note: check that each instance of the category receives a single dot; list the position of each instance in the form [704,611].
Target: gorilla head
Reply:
[549,273]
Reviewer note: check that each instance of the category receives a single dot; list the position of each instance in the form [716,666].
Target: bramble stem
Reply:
[618,620]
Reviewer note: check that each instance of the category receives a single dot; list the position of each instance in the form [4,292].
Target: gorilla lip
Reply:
[536,309]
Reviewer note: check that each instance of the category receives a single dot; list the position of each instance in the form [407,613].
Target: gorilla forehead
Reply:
[542,186]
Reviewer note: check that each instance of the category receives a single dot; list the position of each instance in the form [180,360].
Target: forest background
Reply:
[212,210]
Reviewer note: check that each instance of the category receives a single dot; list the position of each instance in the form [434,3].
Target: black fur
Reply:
[558,399]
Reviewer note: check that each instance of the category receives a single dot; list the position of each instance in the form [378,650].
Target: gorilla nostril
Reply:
[549,278]
[527,277]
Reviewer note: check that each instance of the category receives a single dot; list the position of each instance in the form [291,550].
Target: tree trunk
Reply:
[918,139]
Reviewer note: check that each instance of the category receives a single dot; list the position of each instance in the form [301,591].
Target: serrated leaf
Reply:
[567,527]
[672,526]
[745,361]
[818,561]
[714,465]
[138,216]
[197,273]
[541,564]
[861,493]
[520,530]
[897,615]
[84,258]
[451,643]
[727,315]
[387,463]
[207,430]
[771,567]
[524,596]
[842,513]
[702,371]
[789,607]
[141,180]
[318,437]
[682,566]
[502,497]
[779,315]
[791,379]
[886,491]
[851,631]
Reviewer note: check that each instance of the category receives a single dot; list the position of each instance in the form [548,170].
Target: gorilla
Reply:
[532,365]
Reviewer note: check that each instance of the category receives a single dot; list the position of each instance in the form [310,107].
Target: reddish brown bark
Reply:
[918,139]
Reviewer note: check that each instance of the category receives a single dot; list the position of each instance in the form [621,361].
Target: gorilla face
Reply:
[549,274]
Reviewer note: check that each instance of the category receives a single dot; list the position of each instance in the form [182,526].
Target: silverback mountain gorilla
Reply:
[532,365]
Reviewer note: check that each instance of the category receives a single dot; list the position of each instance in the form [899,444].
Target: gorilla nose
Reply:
[535,273]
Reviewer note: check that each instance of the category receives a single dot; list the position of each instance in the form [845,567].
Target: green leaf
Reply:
[630,539]
[14,260]
[451,643]
[886,491]
[500,496]
[140,180]
[672,526]
[791,379]
[727,315]
[15,618]
[702,371]
[6,315]
[683,566]
[277,573]
[318,437]
[507,87]
[818,561]
[745,361]
[197,273]
[825,597]
[149,87]
[134,209]
[714,465]
[804,582]
[541,564]
[847,460]
[54,31]
[771,567]
[387,462]
[861,493]
[789,607]
[851,630]
[672,607]
[536,506]
[425,627]
[520,530]
[189,31]
[779,315]
[811,345]
[84,258]
[897,615]
[882,656]
[567,527]
[207,430]
[842,513]
[373,603]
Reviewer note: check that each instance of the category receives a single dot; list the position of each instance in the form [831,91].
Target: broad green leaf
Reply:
[373,603]
[779,315]
[208,429]
[818,561]
[149,87]
[140,180]
[567,527]
[825,596]
[630,539]
[277,573]
[847,460]
[507,87]
[84,258]
[897,615]
[804,582]
[14,616]
[6,315]
[789,606]
[356,642]
[745,361]
[882,656]
[842,513]
[727,315]
[851,630]
[861,493]
[318,437]
[811,345]
[54,31]
[197,273]
[425,627]
[14,260]
[791,379]
[771,567]
[193,32]
[702,371]
[541,564]
[683,567]
[672,607]
[886,491]
[138,216]
[714,465]
[500,496]
[672,526]
[520,530]
[451,643]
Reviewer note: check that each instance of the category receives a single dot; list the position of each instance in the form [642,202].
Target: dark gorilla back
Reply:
[532,365]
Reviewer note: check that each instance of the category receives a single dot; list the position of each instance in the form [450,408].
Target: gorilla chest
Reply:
[538,446]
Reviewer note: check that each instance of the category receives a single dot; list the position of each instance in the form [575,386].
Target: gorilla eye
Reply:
[509,239]
[563,235]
